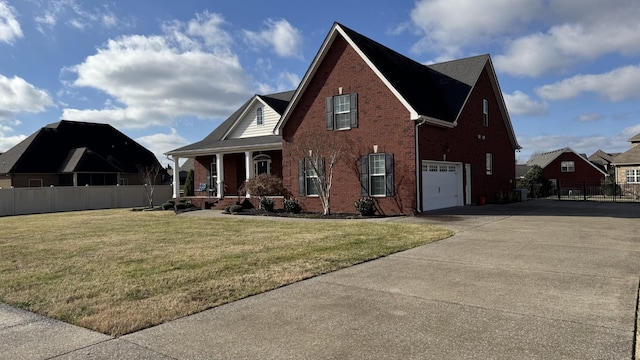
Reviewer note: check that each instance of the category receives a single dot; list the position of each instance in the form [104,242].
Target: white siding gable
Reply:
[247,125]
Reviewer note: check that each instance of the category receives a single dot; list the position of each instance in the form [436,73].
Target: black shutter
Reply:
[329,112]
[301,178]
[353,101]
[388,165]
[364,175]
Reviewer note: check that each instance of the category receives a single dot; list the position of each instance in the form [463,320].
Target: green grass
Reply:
[118,271]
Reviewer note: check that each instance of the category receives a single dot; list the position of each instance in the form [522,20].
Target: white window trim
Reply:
[260,158]
[489,163]
[383,174]
[635,176]
[485,112]
[566,168]
[314,178]
[336,113]
[259,117]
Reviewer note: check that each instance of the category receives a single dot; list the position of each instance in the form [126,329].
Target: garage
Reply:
[441,185]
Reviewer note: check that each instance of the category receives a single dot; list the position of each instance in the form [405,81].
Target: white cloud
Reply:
[285,39]
[75,15]
[630,132]
[155,79]
[17,95]
[6,127]
[9,26]
[567,32]
[617,85]
[589,117]
[520,103]
[449,25]
[159,144]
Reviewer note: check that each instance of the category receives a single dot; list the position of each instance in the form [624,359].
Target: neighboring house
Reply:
[567,166]
[71,153]
[603,160]
[627,164]
[425,136]
[241,147]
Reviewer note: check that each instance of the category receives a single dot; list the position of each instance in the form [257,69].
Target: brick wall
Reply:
[584,172]
[382,121]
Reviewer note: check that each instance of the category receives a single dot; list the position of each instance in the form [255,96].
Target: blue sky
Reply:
[166,73]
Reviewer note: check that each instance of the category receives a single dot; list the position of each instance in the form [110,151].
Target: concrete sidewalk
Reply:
[535,280]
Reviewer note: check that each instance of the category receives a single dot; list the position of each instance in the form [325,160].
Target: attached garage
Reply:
[442,185]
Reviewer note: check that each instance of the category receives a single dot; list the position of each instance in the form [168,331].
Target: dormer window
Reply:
[259,117]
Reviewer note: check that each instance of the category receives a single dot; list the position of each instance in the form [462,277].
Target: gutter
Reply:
[418,167]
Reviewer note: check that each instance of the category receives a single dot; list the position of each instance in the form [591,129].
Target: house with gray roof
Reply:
[627,165]
[566,166]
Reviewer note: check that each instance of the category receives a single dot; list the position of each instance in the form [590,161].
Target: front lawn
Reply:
[118,271]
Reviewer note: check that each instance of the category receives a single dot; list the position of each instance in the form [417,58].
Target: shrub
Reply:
[234,209]
[267,204]
[365,206]
[536,183]
[292,206]
[168,205]
[264,184]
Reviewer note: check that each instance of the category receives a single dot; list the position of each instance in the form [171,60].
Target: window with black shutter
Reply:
[342,112]
[376,175]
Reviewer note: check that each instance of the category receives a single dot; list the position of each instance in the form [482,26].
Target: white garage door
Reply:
[441,185]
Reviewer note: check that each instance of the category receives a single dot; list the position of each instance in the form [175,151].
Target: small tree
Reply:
[321,153]
[264,184]
[149,174]
[189,187]
[536,183]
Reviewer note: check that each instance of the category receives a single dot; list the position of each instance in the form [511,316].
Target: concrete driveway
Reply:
[534,280]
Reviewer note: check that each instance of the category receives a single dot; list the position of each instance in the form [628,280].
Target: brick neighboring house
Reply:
[241,147]
[603,160]
[567,166]
[627,165]
[74,153]
[425,136]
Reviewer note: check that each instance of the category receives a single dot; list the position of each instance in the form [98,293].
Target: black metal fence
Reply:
[601,191]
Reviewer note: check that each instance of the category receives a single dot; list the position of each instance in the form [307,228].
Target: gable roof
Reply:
[74,146]
[544,159]
[635,139]
[217,141]
[448,84]
[629,157]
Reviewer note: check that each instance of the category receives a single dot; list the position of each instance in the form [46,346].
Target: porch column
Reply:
[176,177]
[220,174]
[248,169]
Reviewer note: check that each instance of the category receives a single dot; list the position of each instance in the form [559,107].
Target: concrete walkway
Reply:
[535,280]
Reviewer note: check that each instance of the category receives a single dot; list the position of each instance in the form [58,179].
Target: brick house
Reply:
[627,166]
[422,137]
[243,146]
[565,166]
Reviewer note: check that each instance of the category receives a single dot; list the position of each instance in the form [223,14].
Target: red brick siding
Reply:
[382,120]
[584,172]
[470,140]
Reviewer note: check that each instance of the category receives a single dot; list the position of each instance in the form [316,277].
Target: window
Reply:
[485,112]
[262,164]
[376,175]
[342,112]
[633,176]
[567,166]
[308,179]
[259,118]
[489,163]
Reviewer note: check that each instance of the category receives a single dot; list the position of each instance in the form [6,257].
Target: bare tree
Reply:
[149,174]
[321,153]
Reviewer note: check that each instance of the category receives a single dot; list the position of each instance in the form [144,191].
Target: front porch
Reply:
[219,178]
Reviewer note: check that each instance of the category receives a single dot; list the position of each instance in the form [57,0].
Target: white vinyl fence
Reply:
[20,201]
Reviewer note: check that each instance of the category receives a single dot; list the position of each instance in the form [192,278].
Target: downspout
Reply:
[418,167]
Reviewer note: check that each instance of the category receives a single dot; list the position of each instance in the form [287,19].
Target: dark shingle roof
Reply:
[71,146]
[438,91]
[215,140]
